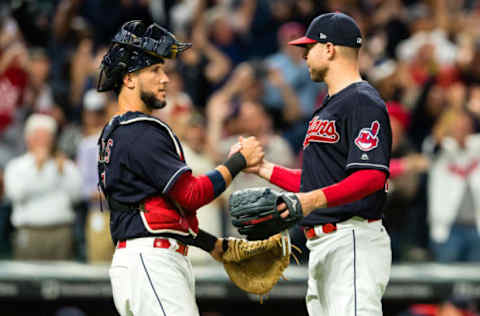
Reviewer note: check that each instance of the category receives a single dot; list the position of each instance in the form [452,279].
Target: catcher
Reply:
[151,192]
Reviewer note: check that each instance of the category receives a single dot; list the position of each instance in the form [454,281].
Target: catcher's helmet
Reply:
[135,47]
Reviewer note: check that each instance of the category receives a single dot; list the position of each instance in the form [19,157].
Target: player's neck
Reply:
[128,101]
[341,76]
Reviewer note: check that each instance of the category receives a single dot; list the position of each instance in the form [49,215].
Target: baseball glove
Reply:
[256,266]
[254,212]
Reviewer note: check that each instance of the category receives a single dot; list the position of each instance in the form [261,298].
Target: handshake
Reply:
[252,150]
[259,213]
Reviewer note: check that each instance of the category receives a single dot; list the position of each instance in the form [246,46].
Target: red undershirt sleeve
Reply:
[287,179]
[355,187]
[192,192]
[397,167]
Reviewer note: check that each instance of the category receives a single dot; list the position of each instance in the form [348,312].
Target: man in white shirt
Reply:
[42,186]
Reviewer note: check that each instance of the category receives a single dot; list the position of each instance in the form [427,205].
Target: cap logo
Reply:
[322,36]
[359,40]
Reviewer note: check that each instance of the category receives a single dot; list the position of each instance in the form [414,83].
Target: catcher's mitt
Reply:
[254,212]
[256,266]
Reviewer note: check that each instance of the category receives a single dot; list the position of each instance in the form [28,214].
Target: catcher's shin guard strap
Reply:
[204,241]
[235,164]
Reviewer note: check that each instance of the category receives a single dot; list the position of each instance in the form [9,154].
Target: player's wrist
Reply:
[312,200]
[235,163]
[320,199]
[266,170]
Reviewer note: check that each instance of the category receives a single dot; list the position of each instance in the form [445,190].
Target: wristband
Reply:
[218,182]
[205,241]
[235,163]
[225,244]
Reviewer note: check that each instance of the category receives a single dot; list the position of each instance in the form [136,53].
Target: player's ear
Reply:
[129,81]
[330,50]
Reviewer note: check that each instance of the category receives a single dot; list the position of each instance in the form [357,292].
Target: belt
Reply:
[326,229]
[180,247]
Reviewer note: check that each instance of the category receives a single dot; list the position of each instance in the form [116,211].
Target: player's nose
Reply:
[164,79]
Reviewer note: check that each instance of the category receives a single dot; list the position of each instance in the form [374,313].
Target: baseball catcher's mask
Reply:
[135,47]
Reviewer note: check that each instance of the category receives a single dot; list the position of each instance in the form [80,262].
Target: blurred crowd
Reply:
[240,78]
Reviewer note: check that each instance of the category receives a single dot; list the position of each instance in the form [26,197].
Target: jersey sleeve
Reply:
[369,136]
[155,156]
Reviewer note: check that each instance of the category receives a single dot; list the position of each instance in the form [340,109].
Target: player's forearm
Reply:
[355,187]
[222,176]
[312,200]
[194,192]
[287,179]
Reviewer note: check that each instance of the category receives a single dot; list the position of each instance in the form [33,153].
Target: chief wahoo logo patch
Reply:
[367,138]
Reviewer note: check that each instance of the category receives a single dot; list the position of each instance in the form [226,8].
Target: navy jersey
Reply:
[350,131]
[143,158]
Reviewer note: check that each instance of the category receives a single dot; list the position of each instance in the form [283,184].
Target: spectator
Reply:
[69,30]
[473,103]
[292,106]
[454,189]
[99,246]
[42,186]
[405,169]
[429,106]
[225,33]
[259,20]
[428,48]
[203,67]
[190,127]
[250,120]
[40,96]
[13,73]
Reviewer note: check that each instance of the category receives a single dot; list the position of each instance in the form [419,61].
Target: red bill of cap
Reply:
[302,41]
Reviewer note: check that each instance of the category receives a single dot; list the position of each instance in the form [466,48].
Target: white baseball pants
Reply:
[348,269]
[152,281]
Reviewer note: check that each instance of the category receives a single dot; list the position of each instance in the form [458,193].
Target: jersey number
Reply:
[104,159]
[108,150]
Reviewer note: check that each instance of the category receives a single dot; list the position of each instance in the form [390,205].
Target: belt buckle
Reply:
[177,246]
[161,243]
[309,233]
[329,228]
[182,249]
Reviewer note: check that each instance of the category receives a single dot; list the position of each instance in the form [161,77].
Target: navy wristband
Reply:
[235,163]
[225,244]
[218,182]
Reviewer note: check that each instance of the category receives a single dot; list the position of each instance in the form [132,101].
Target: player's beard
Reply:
[151,101]
[319,74]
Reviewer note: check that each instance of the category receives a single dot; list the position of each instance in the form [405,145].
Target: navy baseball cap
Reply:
[336,28]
